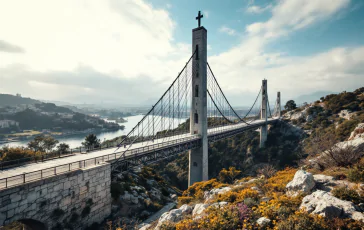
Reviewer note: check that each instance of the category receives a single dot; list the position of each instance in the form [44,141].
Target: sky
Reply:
[127,52]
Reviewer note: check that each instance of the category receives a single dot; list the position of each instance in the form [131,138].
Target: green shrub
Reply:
[347,194]
[356,174]
[152,206]
[343,131]
[300,221]
[116,189]
[165,191]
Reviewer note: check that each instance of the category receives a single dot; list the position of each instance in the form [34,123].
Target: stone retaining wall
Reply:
[78,199]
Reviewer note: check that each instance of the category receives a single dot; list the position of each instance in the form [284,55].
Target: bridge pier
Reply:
[279,104]
[198,158]
[264,114]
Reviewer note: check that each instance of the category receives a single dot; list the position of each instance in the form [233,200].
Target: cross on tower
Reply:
[199,18]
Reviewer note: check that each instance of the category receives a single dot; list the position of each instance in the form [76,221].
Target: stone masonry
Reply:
[75,199]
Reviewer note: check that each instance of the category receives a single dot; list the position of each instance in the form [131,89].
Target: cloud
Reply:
[118,37]
[227,30]
[241,69]
[7,47]
[84,84]
[288,16]
[206,13]
[254,9]
[77,47]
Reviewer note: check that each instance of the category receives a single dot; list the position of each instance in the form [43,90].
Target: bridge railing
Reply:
[71,152]
[60,169]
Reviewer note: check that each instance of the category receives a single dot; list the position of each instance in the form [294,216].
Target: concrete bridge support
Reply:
[198,158]
[76,199]
[264,114]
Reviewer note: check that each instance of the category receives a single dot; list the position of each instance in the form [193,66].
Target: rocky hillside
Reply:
[289,199]
[310,175]
[323,141]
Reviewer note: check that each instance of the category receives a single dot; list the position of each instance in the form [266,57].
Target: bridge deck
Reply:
[34,171]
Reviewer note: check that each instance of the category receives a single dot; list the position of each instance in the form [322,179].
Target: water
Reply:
[76,140]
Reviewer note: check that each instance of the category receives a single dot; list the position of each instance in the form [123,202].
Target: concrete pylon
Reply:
[264,114]
[198,157]
[279,104]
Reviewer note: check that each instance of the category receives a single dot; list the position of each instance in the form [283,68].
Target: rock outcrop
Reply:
[210,194]
[263,221]
[358,132]
[199,208]
[324,204]
[303,182]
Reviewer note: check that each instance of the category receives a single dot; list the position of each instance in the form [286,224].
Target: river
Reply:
[75,140]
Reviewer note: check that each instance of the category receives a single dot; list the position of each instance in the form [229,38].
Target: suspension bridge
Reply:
[190,114]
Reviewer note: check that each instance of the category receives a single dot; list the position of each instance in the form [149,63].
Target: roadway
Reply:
[34,171]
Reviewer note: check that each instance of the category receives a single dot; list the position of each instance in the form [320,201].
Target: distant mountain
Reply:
[11,100]
[312,97]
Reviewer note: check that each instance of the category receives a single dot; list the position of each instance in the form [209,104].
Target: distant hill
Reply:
[11,100]
[312,96]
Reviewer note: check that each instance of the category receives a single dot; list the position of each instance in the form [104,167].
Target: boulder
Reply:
[323,179]
[358,132]
[210,194]
[324,204]
[263,221]
[302,182]
[174,215]
[346,114]
[323,182]
[186,209]
[199,208]
[129,198]
[219,204]
[155,194]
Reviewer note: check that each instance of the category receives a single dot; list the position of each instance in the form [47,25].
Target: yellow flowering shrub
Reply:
[236,196]
[248,193]
[278,182]
[303,220]
[227,196]
[184,199]
[279,207]
[187,224]
[197,189]
[217,218]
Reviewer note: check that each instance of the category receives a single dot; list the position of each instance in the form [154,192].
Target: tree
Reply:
[42,143]
[91,141]
[62,148]
[290,105]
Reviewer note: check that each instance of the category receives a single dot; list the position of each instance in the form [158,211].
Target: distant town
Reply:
[23,118]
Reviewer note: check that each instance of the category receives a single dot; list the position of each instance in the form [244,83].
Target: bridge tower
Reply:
[198,158]
[279,104]
[264,114]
